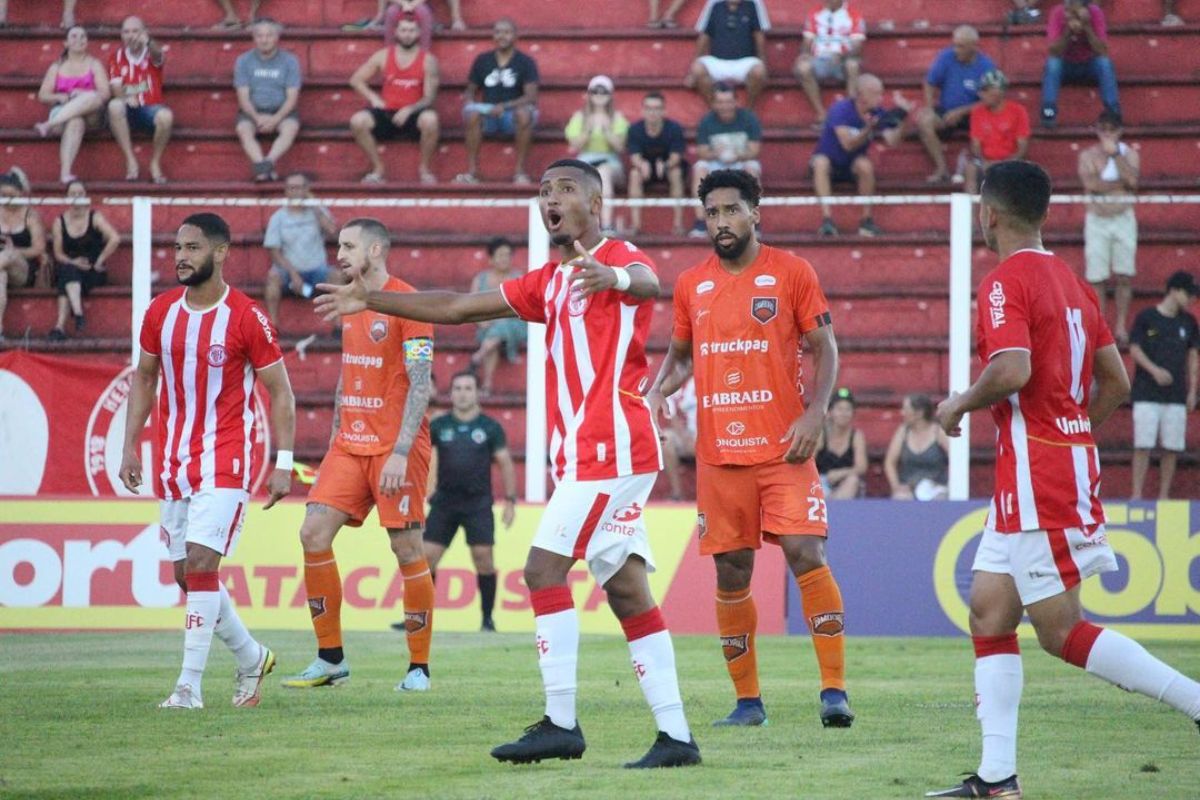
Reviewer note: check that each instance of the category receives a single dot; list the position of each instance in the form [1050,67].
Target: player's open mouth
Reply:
[555,219]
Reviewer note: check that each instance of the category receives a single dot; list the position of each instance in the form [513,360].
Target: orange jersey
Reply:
[375,348]
[745,332]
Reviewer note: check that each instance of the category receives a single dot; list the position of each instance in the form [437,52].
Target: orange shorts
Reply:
[350,484]
[740,506]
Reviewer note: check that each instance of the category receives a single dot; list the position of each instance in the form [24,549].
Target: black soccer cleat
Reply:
[748,712]
[668,752]
[835,709]
[543,739]
[975,786]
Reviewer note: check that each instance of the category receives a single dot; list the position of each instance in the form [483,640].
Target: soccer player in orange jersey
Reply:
[740,318]
[378,457]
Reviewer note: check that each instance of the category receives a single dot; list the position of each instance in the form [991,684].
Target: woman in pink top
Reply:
[76,89]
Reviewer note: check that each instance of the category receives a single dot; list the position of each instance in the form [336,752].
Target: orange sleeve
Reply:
[682,330]
[809,305]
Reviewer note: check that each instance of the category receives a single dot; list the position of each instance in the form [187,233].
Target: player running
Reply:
[378,457]
[1042,340]
[596,303]
[740,317]
[209,342]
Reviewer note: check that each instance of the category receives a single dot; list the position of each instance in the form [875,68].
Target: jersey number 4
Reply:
[404,501]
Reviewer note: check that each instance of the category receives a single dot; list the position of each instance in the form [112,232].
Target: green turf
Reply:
[77,719]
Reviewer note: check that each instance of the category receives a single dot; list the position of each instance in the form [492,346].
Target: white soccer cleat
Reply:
[248,685]
[414,681]
[184,696]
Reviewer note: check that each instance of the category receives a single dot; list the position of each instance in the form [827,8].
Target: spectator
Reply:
[22,239]
[732,48]
[917,462]
[1110,234]
[506,334]
[68,15]
[404,109]
[466,443]
[831,52]
[999,128]
[83,241]
[295,238]
[679,436]
[841,152]
[842,453]
[76,88]
[232,21]
[667,20]
[267,80]
[1024,12]
[1170,18]
[728,138]
[135,76]
[951,93]
[656,147]
[390,11]
[508,80]
[596,134]
[1164,347]
[1078,37]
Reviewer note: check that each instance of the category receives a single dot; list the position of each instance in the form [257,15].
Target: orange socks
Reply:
[418,610]
[323,585]
[822,602]
[737,620]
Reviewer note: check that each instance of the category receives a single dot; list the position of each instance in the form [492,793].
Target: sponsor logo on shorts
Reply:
[1098,540]
[997,299]
[705,286]
[764,280]
[764,309]
[736,346]
[735,647]
[701,525]
[627,513]
[316,606]
[217,355]
[828,624]
[415,621]
[378,330]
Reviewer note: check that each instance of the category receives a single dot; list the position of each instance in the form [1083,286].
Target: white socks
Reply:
[1120,660]
[998,683]
[653,659]
[203,608]
[230,630]
[557,626]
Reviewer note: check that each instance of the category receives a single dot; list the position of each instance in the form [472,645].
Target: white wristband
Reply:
[283,460]
[623,278]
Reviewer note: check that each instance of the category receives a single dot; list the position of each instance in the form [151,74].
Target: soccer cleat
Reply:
[184,696]
[975,786]
[415,681]
[543,739]
[835,709]
[668,752]
[748,712]
[248,684]
[319,673]
[488,626]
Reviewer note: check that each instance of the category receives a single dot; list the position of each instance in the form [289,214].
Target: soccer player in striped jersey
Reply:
[1042,341]
[596,300]
[209,342]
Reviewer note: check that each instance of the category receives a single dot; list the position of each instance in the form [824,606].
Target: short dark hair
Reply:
[214,228]
[723,87]
[372,228]
[496,242]
[747,185]
[1110,117]
[466,373]
[655,95]
[1020,189]
[587,169]
[922,404]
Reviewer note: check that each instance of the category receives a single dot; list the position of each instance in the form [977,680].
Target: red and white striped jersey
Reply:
[1047,466]
[207,361]
[599,425]
[832,32]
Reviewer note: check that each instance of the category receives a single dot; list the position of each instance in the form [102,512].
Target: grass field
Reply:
[77,720]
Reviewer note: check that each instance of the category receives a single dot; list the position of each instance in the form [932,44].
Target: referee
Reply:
[465,443]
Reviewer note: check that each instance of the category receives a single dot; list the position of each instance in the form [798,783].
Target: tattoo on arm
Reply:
[420,389]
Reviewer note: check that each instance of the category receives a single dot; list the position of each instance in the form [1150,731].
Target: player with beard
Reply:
[378,457]
[209,342]
[740,319]
[1042,340]
[596,300]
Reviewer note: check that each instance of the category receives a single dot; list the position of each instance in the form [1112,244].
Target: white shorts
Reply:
[829,68]
[600,522]
[1110,245]
[212,518]
[1045,563]
[729,70]
[1155,422]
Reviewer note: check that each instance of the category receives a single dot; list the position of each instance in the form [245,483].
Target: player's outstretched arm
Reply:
[274,379]
[447,308]
[674,372]
[1006,374]
[137,411]
[1112,384]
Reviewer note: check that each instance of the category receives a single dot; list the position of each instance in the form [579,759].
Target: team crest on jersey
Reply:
[316,606]
[830,624]
[577,303]
[217,355]
[764,309]
[415,621]
[735,647]
[378,330]
[701,525]
[478,436]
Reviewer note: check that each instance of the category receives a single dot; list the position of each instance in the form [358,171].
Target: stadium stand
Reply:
[888,294]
